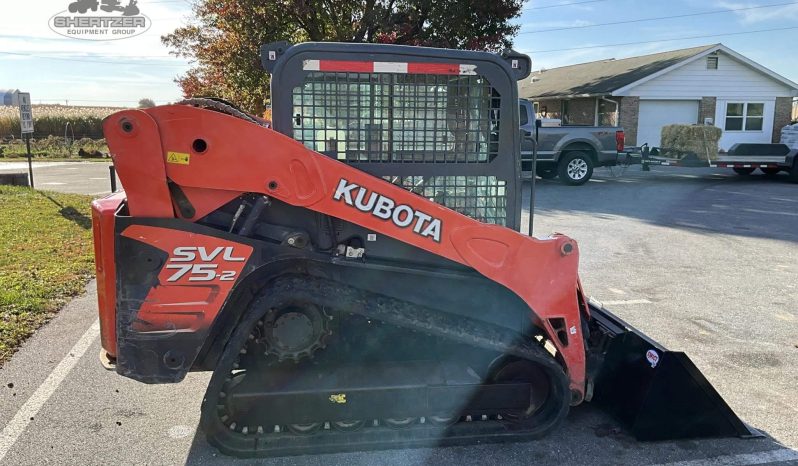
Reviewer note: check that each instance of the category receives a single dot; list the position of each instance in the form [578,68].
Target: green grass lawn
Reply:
[46,258]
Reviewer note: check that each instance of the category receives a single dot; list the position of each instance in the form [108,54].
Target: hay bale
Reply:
[789,136]
[681,140]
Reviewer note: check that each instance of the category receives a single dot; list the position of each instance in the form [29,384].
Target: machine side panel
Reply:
[244,157]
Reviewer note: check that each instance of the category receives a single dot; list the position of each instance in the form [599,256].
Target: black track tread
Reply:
[392,311]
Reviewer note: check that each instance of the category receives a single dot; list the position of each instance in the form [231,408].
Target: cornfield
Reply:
[56,120]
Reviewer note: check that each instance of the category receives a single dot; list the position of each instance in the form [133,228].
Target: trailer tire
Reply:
[743,171]
[575,168]
[770,171]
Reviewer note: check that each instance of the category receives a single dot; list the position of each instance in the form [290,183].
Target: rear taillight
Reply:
[620,140]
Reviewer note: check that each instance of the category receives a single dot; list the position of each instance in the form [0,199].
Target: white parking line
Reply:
[743,459]
[752,195]
[760,211]
[628,301]
[28,411]
[24,165]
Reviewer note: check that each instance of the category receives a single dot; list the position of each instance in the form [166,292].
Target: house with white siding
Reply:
[711,85]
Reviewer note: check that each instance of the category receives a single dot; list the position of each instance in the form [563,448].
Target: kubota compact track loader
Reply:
[354,275]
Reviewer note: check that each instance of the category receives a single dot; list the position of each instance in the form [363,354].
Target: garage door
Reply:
[654,114]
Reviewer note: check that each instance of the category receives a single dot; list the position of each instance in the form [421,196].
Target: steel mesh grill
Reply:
[483,198]
[386,117]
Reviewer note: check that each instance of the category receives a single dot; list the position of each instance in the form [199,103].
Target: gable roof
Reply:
[607,77]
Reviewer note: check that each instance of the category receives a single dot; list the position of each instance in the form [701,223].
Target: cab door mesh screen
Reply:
[386,117]
[393,118]
[483,198]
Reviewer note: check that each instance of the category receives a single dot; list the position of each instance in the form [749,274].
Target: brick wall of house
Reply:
[608,112]
[630,110]
[706,109]
[782,116]
[549,108]
[580,112]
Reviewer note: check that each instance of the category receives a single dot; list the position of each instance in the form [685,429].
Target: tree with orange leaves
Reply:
[225,35]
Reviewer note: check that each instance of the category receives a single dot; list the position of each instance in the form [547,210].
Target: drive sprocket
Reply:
[291,332]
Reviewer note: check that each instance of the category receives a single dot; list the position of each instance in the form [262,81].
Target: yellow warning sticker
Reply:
[180,158]
[338,398]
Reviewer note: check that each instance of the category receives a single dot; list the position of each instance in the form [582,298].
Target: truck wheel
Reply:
[794,172]
[743,171]
[547,173]
[575,168]
[770,171]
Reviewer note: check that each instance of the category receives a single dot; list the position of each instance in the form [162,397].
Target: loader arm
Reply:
[213,157]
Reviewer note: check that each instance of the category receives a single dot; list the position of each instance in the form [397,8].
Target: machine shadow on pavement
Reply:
[587,436]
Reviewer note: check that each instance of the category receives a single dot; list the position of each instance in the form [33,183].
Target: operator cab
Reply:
[440,123]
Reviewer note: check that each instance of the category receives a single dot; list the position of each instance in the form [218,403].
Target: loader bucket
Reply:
[658,394]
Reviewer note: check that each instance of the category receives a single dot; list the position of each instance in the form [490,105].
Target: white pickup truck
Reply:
[570,152]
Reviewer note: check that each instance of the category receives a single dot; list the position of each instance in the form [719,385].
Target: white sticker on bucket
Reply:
[652,357]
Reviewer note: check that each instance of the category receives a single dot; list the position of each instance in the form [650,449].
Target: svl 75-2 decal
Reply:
[201,264]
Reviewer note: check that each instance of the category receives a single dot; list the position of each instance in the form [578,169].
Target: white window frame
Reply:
[744,117]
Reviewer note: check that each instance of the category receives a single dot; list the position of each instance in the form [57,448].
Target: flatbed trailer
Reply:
[743,158]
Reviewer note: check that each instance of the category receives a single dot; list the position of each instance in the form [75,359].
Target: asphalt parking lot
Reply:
[701,260]
[68,177]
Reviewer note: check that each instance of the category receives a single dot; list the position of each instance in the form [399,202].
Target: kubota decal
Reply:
[385,208]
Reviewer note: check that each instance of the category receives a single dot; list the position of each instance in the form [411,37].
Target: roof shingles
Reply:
[601,77]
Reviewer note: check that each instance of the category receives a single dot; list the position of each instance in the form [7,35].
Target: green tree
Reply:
[225,36]
[146,103]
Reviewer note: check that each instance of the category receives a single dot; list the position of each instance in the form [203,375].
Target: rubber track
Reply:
[223,107]
[395,312]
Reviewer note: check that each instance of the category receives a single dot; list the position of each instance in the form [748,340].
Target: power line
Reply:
[664,40]
[658,18]
[546,7]
[83,60]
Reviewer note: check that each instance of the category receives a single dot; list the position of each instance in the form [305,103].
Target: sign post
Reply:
[26,122]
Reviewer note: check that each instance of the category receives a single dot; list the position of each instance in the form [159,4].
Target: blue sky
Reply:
[121,72]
